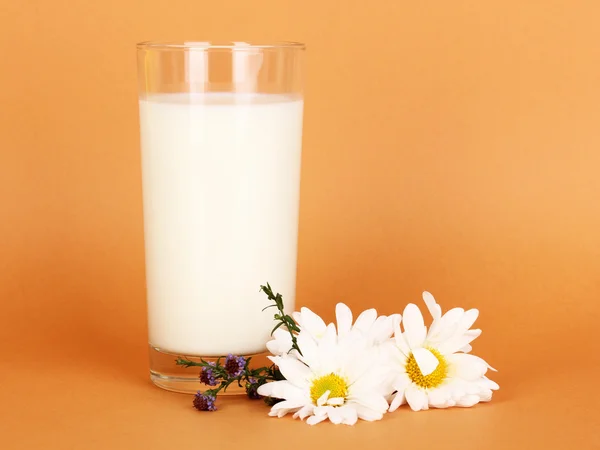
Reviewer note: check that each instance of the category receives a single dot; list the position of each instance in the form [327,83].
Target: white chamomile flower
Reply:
[375,329]
[434,368]
[339,380]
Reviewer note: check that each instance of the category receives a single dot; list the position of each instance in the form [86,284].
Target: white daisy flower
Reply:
[336,380]
[434,368]
[375,329]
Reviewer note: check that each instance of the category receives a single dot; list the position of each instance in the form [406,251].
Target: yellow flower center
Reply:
[335,384]
[435,378]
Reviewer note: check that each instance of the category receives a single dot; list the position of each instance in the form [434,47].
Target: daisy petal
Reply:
[485,395]
[468,401]
[416,399]
[282,389]
[466,349]
[312,323]
[468,367]
[438,398]
[297,318]
[401,382]
[396,319]
[313,420]
[467,320]
[329,351]
[434,309]
[329,335]
[294,371]
[335,416]
[323,398]
[309,349]
[282,408]
[365,413]
[472,388]
[397,401]
[320,411]
[442,405]
[400,341]
[414,326]
[490,384]
[274,347]
[281,342]
[343,316]
[426,360]
[304,412]
[374,402]
[382,329]
[274,359]
[454,344]
[365,320]
[457,392]
[445,327]
[373,379]
[452,317]
[282,335]
[349,415]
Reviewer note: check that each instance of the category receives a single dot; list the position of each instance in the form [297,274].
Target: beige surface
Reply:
[107,403]
[449,146]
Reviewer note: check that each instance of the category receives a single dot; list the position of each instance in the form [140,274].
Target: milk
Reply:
[221,176]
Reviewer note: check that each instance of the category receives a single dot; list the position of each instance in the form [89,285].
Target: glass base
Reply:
[165,374]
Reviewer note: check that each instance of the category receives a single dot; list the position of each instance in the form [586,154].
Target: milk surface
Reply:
[221,176]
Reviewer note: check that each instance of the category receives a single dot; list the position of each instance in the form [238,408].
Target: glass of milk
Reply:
[221,138]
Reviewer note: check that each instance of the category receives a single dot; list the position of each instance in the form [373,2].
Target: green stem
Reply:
[188,363]
[282,318]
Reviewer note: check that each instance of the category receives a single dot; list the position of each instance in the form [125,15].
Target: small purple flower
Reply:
[252,389]
[204,402]
[234,365]
[207,375]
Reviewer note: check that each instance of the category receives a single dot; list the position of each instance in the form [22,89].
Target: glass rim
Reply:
[206,45]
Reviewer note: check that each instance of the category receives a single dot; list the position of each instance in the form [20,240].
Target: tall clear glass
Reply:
[221,134]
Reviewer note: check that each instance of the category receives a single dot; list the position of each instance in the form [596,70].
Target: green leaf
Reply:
[276,326]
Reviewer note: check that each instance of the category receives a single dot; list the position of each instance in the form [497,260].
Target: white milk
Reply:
[221,179]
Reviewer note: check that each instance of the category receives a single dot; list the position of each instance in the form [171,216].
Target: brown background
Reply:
[451,146]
